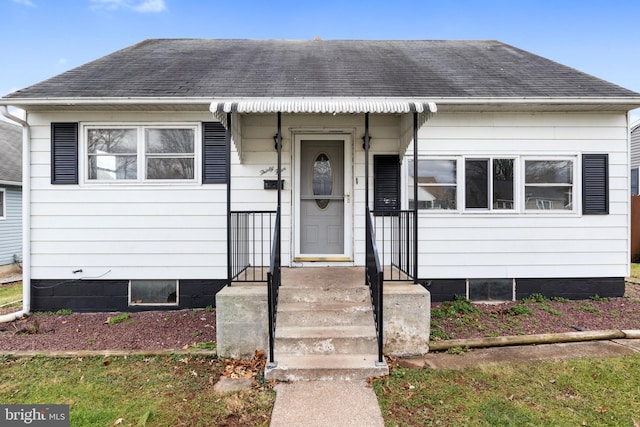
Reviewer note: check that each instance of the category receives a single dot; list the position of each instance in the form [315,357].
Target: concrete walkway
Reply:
[354,404]
[10,278]
[326,403]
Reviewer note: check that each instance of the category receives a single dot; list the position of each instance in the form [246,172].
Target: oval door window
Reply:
[322,179]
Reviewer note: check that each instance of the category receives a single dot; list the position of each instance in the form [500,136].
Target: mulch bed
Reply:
[149,330]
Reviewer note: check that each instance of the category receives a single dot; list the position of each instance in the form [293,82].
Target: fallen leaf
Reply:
[210,380]
[118,421]
[186,346]
[106,362]
[511,397]
[603,410]
[635,423]
[106,322]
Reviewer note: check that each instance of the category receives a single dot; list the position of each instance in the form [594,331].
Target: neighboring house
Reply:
[522,165]
[635,157]
[10,197]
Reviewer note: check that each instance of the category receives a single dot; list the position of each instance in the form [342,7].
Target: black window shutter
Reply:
[634,181]
[595,184]
[214,153]
[386,183]
[64,153]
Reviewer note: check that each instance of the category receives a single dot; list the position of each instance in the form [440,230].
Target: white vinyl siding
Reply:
[11,225]
[153,230]
[167,231]
[528,244]
[635,145]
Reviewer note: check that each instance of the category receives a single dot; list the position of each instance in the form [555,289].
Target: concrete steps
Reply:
[324,328]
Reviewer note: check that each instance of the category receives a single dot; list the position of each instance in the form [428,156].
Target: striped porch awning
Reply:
[322,105]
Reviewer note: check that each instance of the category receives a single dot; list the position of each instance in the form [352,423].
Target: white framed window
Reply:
[3,204]
[497,184]
[437,183]
[153,292]
[490,184]
[549,184]
[141,153]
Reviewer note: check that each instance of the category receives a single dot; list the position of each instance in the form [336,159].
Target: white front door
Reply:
[323,196]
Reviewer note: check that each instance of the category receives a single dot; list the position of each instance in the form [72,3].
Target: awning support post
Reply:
[366,160]
[228,179]
[415,197]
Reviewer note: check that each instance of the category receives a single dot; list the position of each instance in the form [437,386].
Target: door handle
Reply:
[347,196]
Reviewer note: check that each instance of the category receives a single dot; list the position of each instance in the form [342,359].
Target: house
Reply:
[169,169]
[10,197]
[635,157]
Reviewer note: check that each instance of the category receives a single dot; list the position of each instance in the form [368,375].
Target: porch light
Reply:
[364,142]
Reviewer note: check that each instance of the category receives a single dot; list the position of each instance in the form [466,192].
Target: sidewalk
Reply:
[326,403]
[345,403]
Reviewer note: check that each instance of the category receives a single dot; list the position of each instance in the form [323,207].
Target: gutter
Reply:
[622,103]
[26,217]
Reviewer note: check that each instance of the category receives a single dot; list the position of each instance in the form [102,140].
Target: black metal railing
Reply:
[251,239]
[395,238]
[273,285]
[375,281]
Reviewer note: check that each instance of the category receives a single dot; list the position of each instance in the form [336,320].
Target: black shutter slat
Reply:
[386,183]
[214,153]
[595,184]
[64,153]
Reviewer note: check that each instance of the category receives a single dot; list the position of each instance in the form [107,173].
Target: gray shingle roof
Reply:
[356,68]
[10,152]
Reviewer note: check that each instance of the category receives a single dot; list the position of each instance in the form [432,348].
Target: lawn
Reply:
[635,270]
[10,296]
[134,391]
[581,392]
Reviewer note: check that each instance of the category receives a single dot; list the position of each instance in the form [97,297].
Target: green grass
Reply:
[10,293]
[581,392]
[635,270]
[154,391]
[118,319]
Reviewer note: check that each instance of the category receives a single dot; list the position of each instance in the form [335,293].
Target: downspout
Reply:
[26,217]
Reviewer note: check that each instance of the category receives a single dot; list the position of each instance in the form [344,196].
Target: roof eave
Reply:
[444,103]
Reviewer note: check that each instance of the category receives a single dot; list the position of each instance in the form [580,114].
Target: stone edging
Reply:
[104,353]
[535,339]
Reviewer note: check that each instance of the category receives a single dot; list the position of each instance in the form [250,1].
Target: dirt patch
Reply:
[149,330]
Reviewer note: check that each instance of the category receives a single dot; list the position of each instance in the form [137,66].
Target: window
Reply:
[489,184]
[634,181]
[548,184]
[140,153]
[2,207]
[491,289]
[153,292]
[437,184]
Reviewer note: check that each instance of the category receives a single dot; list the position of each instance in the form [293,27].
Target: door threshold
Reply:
[322,259]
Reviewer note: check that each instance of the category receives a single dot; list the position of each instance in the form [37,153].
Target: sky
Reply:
[43,38]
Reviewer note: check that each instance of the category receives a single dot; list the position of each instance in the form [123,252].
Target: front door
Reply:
[323,198]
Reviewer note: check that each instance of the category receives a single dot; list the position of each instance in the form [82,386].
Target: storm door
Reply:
[324,199]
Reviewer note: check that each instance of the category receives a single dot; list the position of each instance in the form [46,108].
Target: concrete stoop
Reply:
[325,328]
